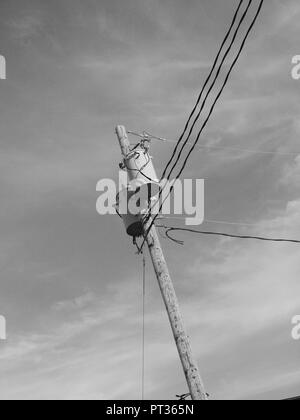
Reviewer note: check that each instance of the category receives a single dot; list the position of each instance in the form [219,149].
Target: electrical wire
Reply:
[212,108]
[227,235]
[222,88]
[216,77]
[210,89]
[220,222]
[237,149]
[202,91]
[206,82]
[204,87]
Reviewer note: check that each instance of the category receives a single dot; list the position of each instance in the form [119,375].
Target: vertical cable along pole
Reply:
[143,334]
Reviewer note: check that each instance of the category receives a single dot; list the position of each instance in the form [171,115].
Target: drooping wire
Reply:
[210,113]
[169,230]
[204,87]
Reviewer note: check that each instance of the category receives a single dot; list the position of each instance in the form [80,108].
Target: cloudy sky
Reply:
[70,280]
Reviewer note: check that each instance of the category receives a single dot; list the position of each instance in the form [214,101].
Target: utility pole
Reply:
[189,365]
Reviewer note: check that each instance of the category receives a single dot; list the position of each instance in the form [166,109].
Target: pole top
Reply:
[123,140]
[119,127]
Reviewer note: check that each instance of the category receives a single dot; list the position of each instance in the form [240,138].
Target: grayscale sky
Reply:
[70,283]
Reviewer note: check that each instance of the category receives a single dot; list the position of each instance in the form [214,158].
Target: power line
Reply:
[203,89]
[258,238]
[213,106]
[222,88]
[210,89]
[218,96]
[204,86]
[231,148]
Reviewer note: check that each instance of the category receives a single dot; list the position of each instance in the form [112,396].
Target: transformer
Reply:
[141,173]
[143,186]
[133,221]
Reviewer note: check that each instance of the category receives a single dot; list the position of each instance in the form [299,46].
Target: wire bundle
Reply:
[175,160]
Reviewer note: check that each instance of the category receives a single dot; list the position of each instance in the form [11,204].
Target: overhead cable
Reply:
[227,235]
[212,108]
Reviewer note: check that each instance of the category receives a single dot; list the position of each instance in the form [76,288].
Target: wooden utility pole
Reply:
[189,365]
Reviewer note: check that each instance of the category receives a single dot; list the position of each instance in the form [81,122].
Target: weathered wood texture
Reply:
[182,341]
